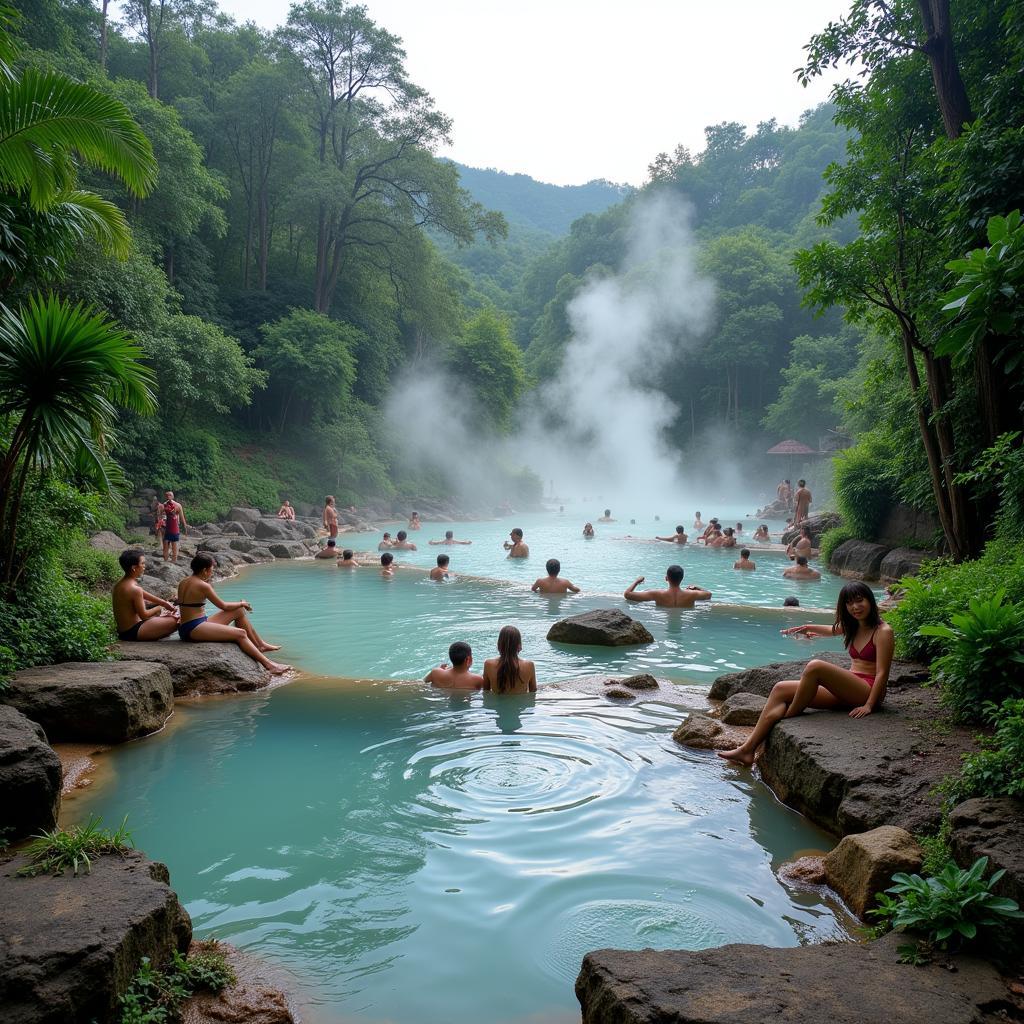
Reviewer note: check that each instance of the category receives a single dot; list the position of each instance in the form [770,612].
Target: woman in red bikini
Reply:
[861,687]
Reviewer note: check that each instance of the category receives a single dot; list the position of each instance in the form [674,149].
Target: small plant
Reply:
[984,655]
[948,909]
[831,539]
[998,769]
[937,853]
[156,996]
[54,852]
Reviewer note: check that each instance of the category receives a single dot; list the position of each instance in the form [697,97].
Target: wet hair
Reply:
[201,563]
[729,531]
[698,514]
[845,623]
[510,643]
[786,481]
[739,526]
[332,543]
[763,526]
[459,652]
[386,559]
[443,560]
[674,574]
[607,511]
[517,533]
[801,559]
[347,553]
[801,483]
[129,559]
[414,515]
[386,534]
[553,566]
[632,522]
[448,534]
[401,535]
[680,529]
[745,553]
[791,602]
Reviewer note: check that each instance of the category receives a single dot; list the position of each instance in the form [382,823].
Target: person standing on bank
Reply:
[174,523]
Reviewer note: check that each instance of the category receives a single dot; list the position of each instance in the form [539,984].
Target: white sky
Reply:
[571,90]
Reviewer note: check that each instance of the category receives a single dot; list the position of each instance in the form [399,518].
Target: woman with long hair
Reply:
[508,673]
[869,642]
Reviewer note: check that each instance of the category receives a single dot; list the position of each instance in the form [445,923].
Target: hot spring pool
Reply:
[421,858]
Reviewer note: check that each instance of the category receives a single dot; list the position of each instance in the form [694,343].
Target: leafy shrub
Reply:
[984,657]
[942,589]
[937,852]
[156,996]
[864,493]
[90,567]
[831,539]
[52,853]
[998,769]
[950,908]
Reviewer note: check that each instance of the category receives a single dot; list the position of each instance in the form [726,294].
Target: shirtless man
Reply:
[134,620]
[802,498]
[679,537]
[458,676]
[744,562]
[402,543]
[286,511]
[607,517]
[331,551]
[802,545]
[784,492]
[710,530]
[387,564]
[553,583]
[674,596]
[386,542]
[414,521]
[761,533]
[728,540]
[697,524]
[449,538]
[330,517]
[347,560]
[515,546]
[801,571]
[440,571]
[739,529]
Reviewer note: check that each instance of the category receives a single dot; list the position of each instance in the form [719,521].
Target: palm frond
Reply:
[9,20]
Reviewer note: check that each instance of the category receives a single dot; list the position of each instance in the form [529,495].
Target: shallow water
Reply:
[416,857]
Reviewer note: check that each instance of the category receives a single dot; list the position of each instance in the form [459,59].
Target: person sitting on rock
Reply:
[286,511]
[679,537]
[229,625]
[330,551]
[508,673]
[456,676]
[440,571]
[674,596]
[347,560]
[553,583]
[136,621]
[402,543]
[744,562]
[801,571]
[860,688]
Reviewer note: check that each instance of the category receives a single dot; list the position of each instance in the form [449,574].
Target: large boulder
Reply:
[858,559]
[30,778]
[900,562]
[171,573]
[239,514]
[862,865]
[741,984]
[109,542]
[851,775]
[70,946]
[761,679]
[992,827]
[233,528]
[701,733]
[817,523]
[96,702]
[201,667]
[271,529]
[605,627]
[742,709]
[289,549]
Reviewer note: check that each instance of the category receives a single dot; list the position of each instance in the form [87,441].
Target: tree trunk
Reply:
[954,104]
[263,239]
[104,43]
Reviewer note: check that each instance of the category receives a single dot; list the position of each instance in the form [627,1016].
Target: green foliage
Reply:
[984,655]
[937,852]
[91,568]
[863,492]
[54,852]
[156,996]
[997,769]
[831,539]
[951,909]
[1000,468]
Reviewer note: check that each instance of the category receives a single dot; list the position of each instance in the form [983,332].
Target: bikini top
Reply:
[867,652]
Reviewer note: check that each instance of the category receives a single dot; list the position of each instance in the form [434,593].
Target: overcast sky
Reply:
[571,90]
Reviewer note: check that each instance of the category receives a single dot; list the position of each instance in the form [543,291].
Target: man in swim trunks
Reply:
[331,551]
[801,571]
[679,537]
[802,498]
[387,564]
[386,543]
[515,546]
[674,596]
[440,571]
[330,517]
[347,561]
[744,562]
[553,583]
[174,521]
[134,620]
[458,676]
[402,543]
[286,511]
[449,538]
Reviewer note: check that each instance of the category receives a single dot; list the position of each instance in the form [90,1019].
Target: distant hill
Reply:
[530,203]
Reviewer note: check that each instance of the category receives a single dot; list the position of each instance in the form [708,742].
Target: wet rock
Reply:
[606,627]
[858,559]
[240,514]
[746,984]
[900,562]
[292,549]
[699,732]
[256,997]
[201,667]
[214,545]
[233,528]
[817,523]
[643,681]
[69,946]
[102,702]
[30,778]
[742,709]
[862,865]
[804,871]
[992,827]
[109,542]
[618,693]
[271,529]
[761,679]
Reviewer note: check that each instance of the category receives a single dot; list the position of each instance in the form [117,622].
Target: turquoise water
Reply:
[422,858]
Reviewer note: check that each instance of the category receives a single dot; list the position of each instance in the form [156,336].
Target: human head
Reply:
[401,535]
[801,560]
[607,512]
[443,560]
[386,559]
[553,566]
[387,536]
[764,526]
[346,554]
[739,526]
[131,558]
[805,531]
[785,481]
[791,602]
[459,652]
[516,534]
[415,515]
[510,641]
[714,520]
[698,515]
[449,534]
[201,563]
[329,499]
[680,529]
[745,553]
[856,593]
[674,574]
[169,495]
[286,502]
[632,522]
[729,531]
[800,483]
[332,543]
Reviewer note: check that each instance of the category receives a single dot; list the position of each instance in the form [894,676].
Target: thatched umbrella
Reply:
[792,449]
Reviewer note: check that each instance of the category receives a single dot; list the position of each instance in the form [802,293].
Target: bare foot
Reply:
[737,755]
[270,647]
[278,670]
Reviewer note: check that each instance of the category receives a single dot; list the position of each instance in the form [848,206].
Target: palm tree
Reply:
[65,371]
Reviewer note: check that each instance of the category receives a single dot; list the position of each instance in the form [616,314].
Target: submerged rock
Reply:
[618,693]
[745,984]
[804,871]
[605,627]
[643,681]
[30,778]
[862,865]
[256,997]
[201,667]
[103,702]
[70,946]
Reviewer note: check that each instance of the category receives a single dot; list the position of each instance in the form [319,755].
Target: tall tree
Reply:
[152,19]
